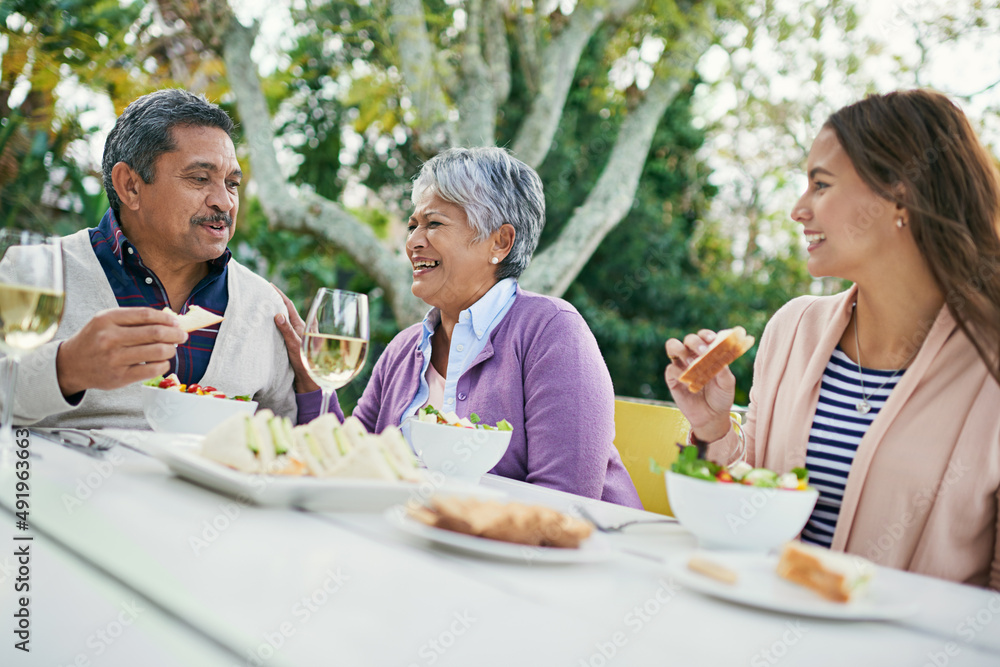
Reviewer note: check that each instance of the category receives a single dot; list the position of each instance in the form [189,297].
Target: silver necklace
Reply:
[863,406]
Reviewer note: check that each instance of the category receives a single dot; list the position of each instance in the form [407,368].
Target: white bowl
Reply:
[736,516]
[176,412]
[465,453]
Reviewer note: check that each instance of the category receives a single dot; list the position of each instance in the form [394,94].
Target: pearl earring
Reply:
[899,223]
[494,261]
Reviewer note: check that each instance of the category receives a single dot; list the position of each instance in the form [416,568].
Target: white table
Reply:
[223,584]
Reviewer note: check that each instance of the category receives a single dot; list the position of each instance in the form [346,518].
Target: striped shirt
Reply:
[136,285]
[836,432]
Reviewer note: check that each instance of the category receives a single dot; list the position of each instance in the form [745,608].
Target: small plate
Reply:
[314,493]
[592,550]
[760,586]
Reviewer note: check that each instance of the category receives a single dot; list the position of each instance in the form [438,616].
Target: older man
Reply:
[172,179]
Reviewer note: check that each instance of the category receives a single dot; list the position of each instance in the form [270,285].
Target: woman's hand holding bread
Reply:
[700,380]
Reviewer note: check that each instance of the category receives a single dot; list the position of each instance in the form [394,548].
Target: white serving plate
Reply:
[314,493]
[592,550]
[760,586]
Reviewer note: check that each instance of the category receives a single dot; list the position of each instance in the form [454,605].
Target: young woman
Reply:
[889,392]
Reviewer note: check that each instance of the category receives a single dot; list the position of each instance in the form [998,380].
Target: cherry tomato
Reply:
[194,388]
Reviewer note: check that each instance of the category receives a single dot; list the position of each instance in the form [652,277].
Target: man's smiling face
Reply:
[188,213]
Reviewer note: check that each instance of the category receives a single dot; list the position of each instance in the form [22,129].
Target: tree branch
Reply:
[497,50]
[477,101]
[431,129]
[552,271]
[307,212]
[526,36]
[560,60]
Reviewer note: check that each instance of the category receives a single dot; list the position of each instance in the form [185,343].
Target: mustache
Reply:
[219,217]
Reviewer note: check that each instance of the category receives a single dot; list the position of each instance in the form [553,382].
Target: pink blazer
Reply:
[923,491]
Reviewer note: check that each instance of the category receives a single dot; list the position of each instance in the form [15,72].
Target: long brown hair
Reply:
[917,149]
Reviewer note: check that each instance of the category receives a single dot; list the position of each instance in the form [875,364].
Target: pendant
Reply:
[863,406]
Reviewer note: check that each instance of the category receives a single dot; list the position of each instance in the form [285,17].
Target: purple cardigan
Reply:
[543,372]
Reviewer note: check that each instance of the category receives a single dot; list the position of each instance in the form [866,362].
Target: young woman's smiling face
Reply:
[451,270]
[846,224]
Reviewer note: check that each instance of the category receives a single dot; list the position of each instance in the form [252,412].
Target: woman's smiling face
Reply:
[847,224]
[451,270]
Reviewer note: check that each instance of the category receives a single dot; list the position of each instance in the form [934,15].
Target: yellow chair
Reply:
[644,431]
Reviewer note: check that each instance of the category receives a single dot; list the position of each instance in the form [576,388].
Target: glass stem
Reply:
[325,405]
[7,418]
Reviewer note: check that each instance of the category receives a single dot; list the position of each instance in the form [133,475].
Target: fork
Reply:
[81,440]
[619,527]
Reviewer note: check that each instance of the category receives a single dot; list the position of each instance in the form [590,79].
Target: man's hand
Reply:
[118,347]
[292,329]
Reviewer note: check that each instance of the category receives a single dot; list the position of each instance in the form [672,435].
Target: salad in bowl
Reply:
[739,507]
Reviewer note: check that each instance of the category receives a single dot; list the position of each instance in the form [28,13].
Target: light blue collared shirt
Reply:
[468,339]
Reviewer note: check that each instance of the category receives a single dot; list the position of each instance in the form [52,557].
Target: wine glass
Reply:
[335,343]
[31,304]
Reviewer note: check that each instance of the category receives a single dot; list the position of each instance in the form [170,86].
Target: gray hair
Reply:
[144,132]
[494,188]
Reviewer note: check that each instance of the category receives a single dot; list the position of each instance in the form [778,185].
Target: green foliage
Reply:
[662,272]
[28,199]
[300,265]
[43,186]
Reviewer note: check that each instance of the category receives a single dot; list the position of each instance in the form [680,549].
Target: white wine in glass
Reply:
[31,304]
[335,360]
[335,343]
[29,316]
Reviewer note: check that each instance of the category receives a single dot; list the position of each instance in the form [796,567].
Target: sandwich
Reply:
[838,577]
[268,444]
[356,453]
[234,443]
[262,443]
[196,318]
[728,346]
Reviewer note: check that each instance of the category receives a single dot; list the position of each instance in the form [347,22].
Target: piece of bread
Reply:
[838,577]
[510,522]
[728,346]
[712,570]
[197,318]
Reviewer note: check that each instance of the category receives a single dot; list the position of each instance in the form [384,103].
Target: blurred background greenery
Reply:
[706,241]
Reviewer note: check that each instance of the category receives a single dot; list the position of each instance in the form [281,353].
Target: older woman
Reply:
[889,392]
[487,346]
